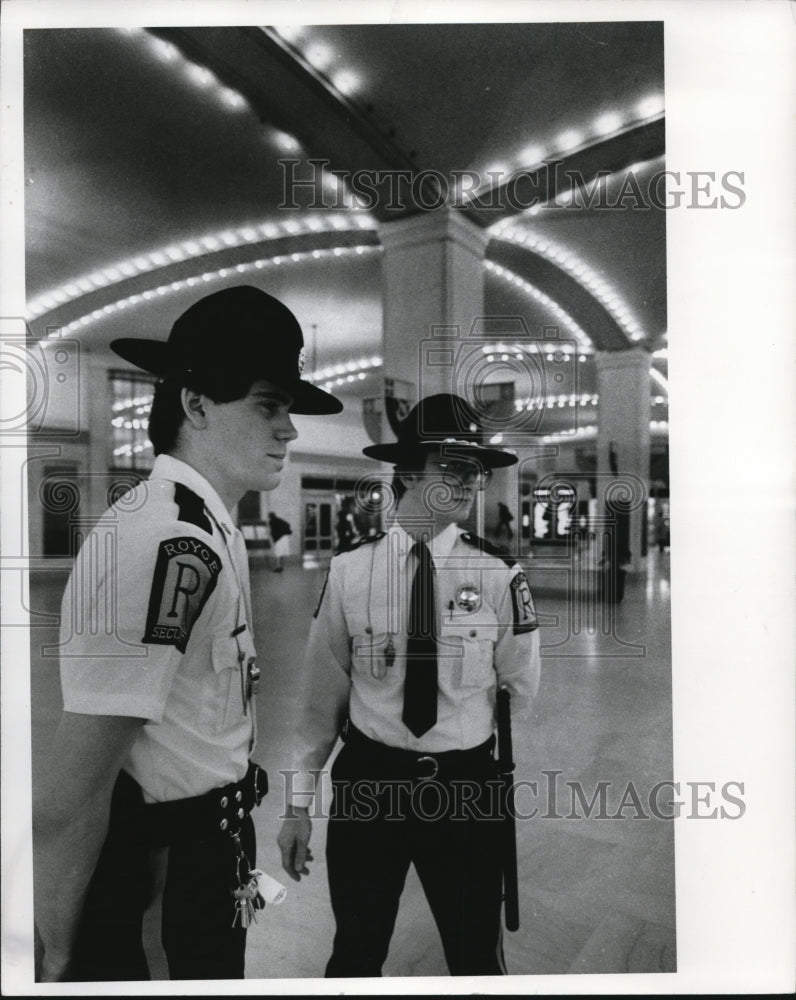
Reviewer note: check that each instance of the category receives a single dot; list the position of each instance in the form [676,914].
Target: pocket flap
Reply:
[477,627]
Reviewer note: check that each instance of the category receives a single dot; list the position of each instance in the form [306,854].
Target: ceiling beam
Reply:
[603,330]
[544,183]
[287,92]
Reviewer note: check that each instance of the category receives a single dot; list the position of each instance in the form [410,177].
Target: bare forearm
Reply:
[65,855]
[70,820]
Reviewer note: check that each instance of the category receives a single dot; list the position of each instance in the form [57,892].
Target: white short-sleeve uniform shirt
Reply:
[355,667]
[156,624]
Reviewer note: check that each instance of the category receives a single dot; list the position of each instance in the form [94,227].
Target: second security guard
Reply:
[414,633]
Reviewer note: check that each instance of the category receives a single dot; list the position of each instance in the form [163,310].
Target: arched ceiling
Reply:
[153,173]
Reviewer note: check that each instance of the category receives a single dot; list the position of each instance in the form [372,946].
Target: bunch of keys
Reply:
[248,900]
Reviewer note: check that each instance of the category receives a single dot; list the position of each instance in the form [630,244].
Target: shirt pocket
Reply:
[472,639]
[373,654]
[226,687]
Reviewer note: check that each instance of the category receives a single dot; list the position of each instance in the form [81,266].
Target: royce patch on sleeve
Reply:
[186,572]
[522,604]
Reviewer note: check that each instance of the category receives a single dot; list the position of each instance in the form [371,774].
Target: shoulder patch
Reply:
[191,508]
[362,540]
[524,612]
[483,545]
[186,573]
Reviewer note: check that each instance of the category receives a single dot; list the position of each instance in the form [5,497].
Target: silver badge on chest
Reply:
[468,597]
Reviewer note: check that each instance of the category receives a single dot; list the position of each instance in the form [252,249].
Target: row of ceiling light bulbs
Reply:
[607,123]
[574,399]
[345,369]
[227,238]
[536,293]
[208,82]
[174,253]
[602,290]
[588,431]
[352,371]
[356,371]
[548,402]
[220,273]
[553,352]
[591,430]
[142,404]
[224,272]
[321,56]
[232,99]
[132,449]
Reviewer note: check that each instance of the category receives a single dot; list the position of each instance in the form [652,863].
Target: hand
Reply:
[294,842]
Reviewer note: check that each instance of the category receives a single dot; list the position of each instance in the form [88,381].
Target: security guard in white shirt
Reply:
[142,832]
[415,631]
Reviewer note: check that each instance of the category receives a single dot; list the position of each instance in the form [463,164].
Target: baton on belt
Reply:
[509,837]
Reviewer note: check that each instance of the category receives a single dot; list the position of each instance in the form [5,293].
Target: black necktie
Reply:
[420,691]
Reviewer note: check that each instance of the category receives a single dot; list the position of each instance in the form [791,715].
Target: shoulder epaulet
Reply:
[362,540]
[484,545]
[191,508]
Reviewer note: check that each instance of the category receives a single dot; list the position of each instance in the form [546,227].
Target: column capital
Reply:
[441,225]
[635,358]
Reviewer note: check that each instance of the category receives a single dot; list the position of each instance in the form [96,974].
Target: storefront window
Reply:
[131,401]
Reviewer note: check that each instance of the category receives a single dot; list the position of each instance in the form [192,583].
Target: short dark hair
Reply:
[167,415]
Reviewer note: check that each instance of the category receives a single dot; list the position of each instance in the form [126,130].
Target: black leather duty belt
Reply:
[219,810]
[396,762]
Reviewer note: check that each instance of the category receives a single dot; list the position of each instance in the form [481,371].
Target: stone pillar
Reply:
[432,278]
[623,438]
[432,294]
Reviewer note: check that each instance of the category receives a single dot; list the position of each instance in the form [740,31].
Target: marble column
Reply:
[433,298]
[433,292]
[623,439]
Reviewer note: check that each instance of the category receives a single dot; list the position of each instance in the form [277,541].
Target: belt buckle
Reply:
[435,765]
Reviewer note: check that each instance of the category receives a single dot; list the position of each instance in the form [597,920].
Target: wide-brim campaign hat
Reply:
[447,422]
[228,336]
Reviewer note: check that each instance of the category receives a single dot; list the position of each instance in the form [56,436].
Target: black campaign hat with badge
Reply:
[447,422]
[238,332]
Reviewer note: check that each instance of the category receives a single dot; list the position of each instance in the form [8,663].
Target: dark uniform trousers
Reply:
[385,816]
[197,909]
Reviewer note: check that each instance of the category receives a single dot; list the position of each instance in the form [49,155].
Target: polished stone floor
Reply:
[596,879]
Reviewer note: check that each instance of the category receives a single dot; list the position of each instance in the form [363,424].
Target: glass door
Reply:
[317,535]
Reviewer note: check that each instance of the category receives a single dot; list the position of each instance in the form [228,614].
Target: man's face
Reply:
[448,485]
[249,437]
